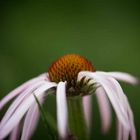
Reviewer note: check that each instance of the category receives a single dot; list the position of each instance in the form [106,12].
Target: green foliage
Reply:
[49,122]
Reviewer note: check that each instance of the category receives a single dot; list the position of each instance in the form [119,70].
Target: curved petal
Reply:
[122,76]
[21,88]
[104,108]
[125,102]
[30,122]
[124,109]
[111,93]
[132,131]
[122,134]
[62,112]
[15,132]
[19,100]
[119,131]
[22,109]
[87,109]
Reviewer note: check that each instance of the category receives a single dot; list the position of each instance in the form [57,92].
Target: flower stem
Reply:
[76,118]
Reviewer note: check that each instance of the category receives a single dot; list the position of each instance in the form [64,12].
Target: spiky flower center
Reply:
[67,67]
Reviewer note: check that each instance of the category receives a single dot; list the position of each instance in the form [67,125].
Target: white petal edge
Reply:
[122,76]
[22,87]
[62,110]
[87,109]
[22,109]
[104,108]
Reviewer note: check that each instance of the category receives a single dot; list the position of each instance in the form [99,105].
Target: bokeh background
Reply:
[35,33]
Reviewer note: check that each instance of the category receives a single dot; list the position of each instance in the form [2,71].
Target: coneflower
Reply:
[70,76]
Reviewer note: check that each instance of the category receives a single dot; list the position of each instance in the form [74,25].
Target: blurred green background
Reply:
[35,33]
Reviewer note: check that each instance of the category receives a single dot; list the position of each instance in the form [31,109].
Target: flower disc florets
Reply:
[66,68]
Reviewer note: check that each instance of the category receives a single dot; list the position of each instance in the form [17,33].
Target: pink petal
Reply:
[133,130]
[21,88]
[104,108]
[125,102]
[19,100]
[119,131]
[22,109]
[62,112]
[111,93]
[15,133]
[122,76]
[125,134]
[122,133]
[87,109]
[124,109]
[30,122]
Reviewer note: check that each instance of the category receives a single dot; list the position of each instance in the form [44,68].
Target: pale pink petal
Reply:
[87,109]
[122,133]
[111,93]
[120,102]
[125,134]
[119,131]
[125,102]
[104,108]
[44,76]
[19,100]
[116,103]
[62,112]
[30,122]
[15,133]
[21,88]
[133,130]
[122,76]
[131,119]
[22,109]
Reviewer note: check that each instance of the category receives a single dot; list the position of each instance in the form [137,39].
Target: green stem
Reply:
[76,118]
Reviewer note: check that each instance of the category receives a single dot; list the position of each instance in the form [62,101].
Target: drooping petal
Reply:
[125,102]
[133,130]
[15,132]
[111,93]
[22,109]
[87,109]
[30,122]
[125,134]
[62,112]
[122,76]
[122,133]
[19,100]
[122,102]
[119,131]
[21,88]
[104,108]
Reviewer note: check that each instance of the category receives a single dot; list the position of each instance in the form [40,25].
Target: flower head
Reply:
[70,75]
[67,68]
